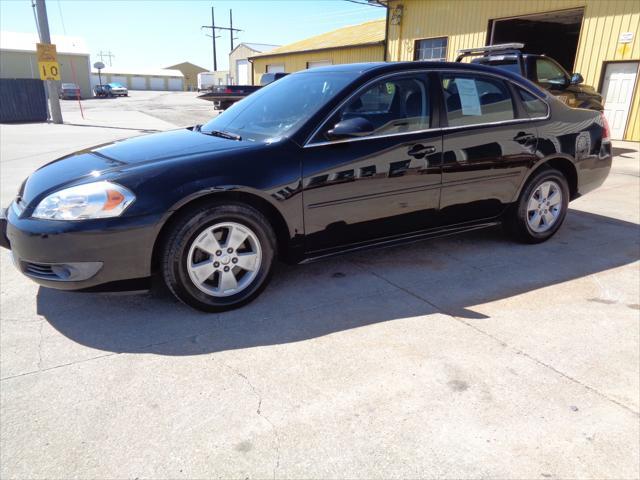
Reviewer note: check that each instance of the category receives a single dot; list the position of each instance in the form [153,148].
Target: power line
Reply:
[372,4]
[64,29]
[230,29]
[108,54]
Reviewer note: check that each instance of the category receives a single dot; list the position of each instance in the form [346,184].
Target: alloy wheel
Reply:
[544,206]
[224,259]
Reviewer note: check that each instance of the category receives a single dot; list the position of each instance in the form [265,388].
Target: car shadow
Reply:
[307,301]
[622,152]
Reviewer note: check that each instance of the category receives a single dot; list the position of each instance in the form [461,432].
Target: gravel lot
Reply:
[464,357]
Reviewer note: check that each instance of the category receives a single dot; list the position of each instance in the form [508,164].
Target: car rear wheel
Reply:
[541,208]
[219,257]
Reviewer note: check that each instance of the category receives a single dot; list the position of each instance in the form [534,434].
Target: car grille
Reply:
[39,270]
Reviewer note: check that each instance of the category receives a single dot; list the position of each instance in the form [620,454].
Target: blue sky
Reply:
[156,34]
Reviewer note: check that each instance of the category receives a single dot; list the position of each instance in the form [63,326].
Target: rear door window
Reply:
[476,99]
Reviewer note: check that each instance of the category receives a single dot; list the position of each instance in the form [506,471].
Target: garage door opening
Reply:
[554,34]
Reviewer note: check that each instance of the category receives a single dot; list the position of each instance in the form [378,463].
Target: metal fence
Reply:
[22,100]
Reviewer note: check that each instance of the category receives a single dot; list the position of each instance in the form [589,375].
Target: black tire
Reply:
[188,227]
[516,220]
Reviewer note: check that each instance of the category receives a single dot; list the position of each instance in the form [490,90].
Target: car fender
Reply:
[286,210]
[539,164]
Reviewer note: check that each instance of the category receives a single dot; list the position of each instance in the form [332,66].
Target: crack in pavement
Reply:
[501,342]
[259,412]
[40,345]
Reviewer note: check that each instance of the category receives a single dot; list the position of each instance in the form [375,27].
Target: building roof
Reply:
[155,72]
[178,66]
[256,47]
[26,42]
[363,34]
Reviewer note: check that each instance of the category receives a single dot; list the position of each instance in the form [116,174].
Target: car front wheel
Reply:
[219,257]
[541,208]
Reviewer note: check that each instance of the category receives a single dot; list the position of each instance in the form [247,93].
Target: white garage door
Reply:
[275,68]
[138,83]
[175,84]
[619,80]
[242,69]
[119,79]
[319,63]
[156,84]
[95,80]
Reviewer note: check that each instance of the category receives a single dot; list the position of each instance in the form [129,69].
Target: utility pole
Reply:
[213,35]
[45,37]
[215,27]
[231,28]
[108,55]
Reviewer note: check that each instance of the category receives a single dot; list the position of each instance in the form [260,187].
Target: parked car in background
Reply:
[99,91]
[116,90]
[540,69]
[110,90]
[268,78]
[223,96]
[69,91]
[323,161]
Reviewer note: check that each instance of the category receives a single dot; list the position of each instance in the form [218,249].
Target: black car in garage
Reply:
[323,161]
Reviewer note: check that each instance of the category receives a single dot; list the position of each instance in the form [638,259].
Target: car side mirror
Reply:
[576,78]
[351,127]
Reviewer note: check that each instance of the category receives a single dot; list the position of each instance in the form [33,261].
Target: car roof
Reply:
[390,67]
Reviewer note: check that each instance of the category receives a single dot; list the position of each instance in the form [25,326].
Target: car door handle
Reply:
[524,138]
[419,150]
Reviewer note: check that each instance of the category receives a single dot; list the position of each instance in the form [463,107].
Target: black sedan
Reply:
[320,162]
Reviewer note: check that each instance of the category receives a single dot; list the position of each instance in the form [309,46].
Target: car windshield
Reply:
[115,85]
[69,85]
[280,107]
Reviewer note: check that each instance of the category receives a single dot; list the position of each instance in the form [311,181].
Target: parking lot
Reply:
[462,357]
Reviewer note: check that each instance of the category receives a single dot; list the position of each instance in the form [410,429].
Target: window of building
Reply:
[476,99]
[275,68]
[395,105]
[319,63]
[433,49]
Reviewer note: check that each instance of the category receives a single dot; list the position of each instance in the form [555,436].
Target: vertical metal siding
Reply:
[23,100]
[465,23]
[298,61]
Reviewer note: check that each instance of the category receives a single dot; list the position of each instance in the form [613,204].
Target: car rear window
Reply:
[532,104]
[476,99]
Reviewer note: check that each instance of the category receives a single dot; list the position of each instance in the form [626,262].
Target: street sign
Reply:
[98,65]
[46,52]
[49,70]
[47,61]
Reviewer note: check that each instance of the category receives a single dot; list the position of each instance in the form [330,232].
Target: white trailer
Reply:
[206,80]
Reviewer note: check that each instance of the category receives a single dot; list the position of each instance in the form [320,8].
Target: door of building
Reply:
[617,90]
[243,72]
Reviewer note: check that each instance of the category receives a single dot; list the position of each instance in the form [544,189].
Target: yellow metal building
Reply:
[190,72]
[357,43]
[599,38]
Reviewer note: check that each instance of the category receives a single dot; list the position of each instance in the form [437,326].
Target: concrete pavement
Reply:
[463,357]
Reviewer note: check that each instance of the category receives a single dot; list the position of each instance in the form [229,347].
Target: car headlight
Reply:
[82,202]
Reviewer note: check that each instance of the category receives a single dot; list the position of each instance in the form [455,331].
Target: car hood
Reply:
[96,161]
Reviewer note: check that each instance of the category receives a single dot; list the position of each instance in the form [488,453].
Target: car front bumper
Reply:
[106,254]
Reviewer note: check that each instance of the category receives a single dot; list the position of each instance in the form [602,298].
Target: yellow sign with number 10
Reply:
[49,70]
